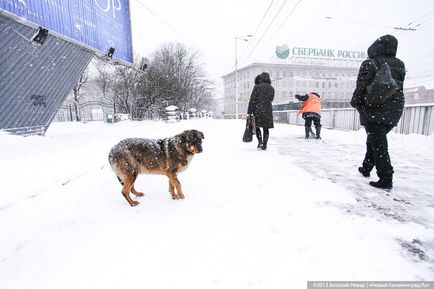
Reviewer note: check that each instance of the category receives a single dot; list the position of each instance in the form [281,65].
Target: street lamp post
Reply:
[245,38]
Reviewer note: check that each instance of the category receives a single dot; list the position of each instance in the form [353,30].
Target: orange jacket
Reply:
[311,104]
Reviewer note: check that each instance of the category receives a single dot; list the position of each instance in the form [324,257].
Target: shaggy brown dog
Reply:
[169,156]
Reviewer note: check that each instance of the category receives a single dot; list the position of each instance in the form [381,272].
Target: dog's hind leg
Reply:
[136,193]
[126,189]
[174,182]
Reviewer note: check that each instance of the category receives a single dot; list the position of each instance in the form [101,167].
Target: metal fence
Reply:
[416,119]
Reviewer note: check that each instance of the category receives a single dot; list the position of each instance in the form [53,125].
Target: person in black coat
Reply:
[378,121]
[260,106]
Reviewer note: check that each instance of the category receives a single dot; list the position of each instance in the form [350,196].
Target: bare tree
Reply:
[176,77]
[173,77]
[78,93]
[104,77]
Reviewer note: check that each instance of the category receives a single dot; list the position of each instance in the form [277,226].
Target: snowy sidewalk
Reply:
[337,157]
[251,219]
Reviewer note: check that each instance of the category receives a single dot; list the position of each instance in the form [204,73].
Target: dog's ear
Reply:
[184,136]
[193,134]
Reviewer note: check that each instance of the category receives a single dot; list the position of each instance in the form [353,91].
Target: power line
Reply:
[257,28]
[358,22]
[157,16]
[420,18]
[168,25]
[268,27]
[283,23]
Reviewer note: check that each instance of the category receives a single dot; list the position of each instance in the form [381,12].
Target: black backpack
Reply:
[382,87]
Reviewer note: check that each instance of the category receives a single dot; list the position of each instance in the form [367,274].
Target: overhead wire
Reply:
[402,30]
[268,27]
[191,43]
[257,27]
[283,23]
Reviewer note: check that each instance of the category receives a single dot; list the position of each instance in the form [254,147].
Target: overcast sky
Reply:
[210,27]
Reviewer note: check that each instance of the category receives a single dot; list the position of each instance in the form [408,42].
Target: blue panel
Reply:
[100,24]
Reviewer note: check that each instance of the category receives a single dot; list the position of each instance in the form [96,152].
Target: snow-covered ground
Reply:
[251,219]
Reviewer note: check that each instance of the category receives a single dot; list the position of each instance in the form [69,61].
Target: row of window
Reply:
[278,75]
[290,94]
[302,85]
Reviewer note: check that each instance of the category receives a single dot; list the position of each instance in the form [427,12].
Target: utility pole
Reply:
[245,38]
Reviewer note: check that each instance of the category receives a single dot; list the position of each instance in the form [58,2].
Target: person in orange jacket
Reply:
[311,112]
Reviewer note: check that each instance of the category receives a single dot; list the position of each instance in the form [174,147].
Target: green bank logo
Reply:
[282,51]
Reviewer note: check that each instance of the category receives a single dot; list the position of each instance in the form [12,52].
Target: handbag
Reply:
[248,132]
[382,86]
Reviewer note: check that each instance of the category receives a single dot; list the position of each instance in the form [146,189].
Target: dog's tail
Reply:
[120,181]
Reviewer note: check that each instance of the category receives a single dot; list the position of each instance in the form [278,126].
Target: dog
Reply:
[168,156]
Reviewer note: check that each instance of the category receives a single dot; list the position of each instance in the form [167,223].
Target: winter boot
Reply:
[385,181]
[318,132]
[306,131]
[364,172]
[366,169]
[259,137]
[264,144]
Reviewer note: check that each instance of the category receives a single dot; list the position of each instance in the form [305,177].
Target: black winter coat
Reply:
[382,50]
[260,105]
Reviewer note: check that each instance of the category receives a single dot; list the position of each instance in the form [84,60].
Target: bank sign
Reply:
[98,24]
[284,52]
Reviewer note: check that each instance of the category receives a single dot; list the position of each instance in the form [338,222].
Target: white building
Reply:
[334,78]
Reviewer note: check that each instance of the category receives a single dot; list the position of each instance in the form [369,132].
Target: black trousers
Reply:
[377,151]
[308,121]
[259,136]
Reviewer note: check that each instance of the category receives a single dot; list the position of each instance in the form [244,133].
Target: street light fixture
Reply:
[244,38]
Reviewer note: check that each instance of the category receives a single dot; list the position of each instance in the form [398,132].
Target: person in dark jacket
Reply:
[260,106]
[311,112]
[379,120]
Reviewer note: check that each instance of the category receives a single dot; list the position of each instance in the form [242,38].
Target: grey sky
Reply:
[210,27]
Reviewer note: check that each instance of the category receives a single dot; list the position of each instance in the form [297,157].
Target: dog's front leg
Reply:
[128,184]
[174,182]
[136,193]
[172,190]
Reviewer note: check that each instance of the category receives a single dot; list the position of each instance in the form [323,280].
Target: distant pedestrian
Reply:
[260,106]
[311,112]
[379,120]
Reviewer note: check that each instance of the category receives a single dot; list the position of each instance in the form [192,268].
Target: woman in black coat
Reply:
[378,121]
[260,106]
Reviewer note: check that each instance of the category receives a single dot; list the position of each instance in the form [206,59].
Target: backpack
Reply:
[382,86]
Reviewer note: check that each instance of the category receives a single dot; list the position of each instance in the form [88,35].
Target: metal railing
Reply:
[416,119]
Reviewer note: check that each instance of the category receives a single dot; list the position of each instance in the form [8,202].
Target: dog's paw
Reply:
[178,197]
[140,194]
[134,203]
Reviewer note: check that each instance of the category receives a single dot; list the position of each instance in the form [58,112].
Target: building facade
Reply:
[334,79]
[419,94]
